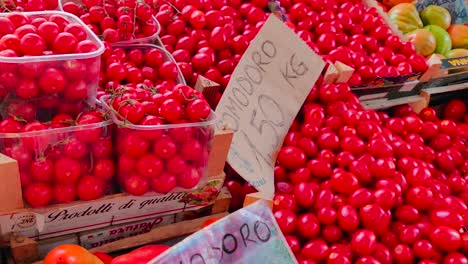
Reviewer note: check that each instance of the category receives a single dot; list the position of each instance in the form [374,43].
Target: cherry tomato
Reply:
[38,194]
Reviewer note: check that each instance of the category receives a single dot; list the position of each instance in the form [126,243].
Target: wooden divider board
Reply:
[45,246]
[99,237]
[57,220]
[386,103]
[158,234]
[447,88]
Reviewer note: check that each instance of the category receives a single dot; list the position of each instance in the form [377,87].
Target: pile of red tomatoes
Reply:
[360,186]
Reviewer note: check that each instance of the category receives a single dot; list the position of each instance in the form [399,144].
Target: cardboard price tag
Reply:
[266,90]
[250,235]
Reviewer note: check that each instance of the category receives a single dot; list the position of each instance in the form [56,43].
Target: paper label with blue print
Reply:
[249,235]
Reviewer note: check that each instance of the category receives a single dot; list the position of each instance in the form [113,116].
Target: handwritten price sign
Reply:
[249,235]
[266,91]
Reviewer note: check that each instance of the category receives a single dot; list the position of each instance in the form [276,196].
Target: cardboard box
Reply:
[10,187]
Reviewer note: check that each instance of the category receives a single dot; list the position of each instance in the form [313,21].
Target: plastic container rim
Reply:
[212,120]
[56,130]
[132,41]
[57,57]
[59,130]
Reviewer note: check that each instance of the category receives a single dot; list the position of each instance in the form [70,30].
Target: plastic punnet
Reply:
[63,164]
[164,158]
[50,84]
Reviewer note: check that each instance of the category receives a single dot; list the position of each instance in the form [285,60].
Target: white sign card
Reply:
[264,95]
[249,235]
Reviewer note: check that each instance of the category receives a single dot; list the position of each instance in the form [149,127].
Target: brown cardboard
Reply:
[253,197]
[421,104]
[219,151]
[331,74]
[10,187]
[222,202]
[434,70]
[345,72]
[23,249]
[46,245]
[208,88]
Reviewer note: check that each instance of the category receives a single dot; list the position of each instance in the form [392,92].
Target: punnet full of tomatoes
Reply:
[49,64]
[116,20]
[360,186]
[63,160]
[162,157]
[163,149]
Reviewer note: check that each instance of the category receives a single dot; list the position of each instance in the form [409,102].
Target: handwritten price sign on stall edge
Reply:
[264,95]
[249,235]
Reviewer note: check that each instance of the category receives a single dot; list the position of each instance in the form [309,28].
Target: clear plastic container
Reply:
[27,6]
[50,83]
[162,158]
[145,47]
[152,39]
[61,165]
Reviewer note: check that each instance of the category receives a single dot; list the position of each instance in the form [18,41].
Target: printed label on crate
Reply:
[454,63]
[45,223]
[265,92]
[110,234]
[457,8]
[249,235]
